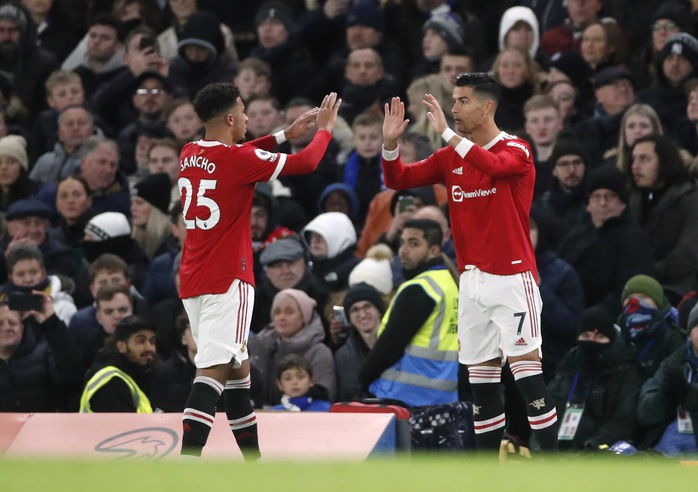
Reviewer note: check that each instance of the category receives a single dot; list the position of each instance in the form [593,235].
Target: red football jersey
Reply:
[489,200]
[216,184]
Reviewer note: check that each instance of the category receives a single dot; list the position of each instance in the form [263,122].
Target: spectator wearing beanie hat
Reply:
[375,270]
[14,176]
[602,376]
[150,199]
[608,247]
[676,64]
[295,328]
[443,33]
[110,232]
[564,204]
[670,398]
[649,322]
[291,64]
[363,307]
[202,57]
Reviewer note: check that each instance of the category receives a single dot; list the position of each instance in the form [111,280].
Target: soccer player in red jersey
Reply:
[216,183]
[489,176]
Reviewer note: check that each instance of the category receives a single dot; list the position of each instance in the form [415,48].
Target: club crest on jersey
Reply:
[520,146]
[264,155]
[457,193]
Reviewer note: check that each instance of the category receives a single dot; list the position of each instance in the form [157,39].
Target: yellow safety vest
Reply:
[102,377]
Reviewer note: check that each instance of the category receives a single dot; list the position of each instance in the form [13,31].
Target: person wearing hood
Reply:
[291,63]
[649,324]
[677,62]
[295,328]
[103,57]
[596,386]
[119,379]
[27,64]
[441,34]
[331,239]
[201,57]
[35,376]
[519,28]
[668,405]
[415,358]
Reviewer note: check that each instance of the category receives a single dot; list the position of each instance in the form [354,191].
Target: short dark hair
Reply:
[109,20]
[671,167]
[23,252]
[293,361]
[109,291]
[107,262]
[130,325]
[481,82]
[215,100]
[431,229]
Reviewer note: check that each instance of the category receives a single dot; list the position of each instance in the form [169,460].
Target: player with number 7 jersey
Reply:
[217,177]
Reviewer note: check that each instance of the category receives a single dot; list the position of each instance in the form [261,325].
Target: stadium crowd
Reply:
[96,103]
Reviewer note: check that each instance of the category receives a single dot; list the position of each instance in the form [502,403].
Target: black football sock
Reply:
[241,417]
[542,415]
[199,414]
[488,407]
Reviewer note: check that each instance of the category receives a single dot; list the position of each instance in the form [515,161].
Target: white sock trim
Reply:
[210,382]
[525,369]
[484,374]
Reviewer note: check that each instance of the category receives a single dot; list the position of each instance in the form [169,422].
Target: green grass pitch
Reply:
[401,474]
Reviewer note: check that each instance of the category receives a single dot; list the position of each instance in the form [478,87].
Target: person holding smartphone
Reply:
[37,376]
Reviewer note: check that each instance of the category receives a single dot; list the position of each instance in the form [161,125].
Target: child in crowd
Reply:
[294,377]
[362,170]
[183,122]
[253,78]
[63,88]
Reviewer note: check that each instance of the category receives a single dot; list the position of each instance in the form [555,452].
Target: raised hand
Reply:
[435,114]
[301,124]
[394,123]
[327,114]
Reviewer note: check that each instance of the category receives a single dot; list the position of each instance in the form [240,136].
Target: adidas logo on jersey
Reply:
[458,170]
[521,342]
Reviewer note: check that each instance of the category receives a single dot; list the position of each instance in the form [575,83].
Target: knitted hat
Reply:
[202,29]
[597,319]
[609,178]
[282,249]
[572,64]
[673,11]
[375,269]
[609,75]
[365,14]
[682,44]
[10,11]
[568,145]
[449,26]
[108,225]
[275,10]
[154,189]
[15,146]
[306,303]
[363,292]
[29,207]
[644,284]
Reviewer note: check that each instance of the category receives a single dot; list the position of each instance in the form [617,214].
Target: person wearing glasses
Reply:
[609,247]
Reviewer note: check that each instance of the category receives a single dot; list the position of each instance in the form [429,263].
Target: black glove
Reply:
[675,384]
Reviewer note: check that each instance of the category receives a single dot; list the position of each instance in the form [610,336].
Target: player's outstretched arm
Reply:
[394,123]
[327,114]
[301,124]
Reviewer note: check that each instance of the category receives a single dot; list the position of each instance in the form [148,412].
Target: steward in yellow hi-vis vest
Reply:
[121,371]
[415,359]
